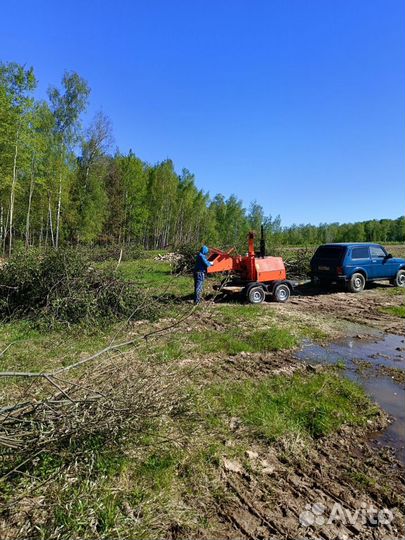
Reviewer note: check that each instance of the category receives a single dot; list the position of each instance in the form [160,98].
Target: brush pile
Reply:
[296,261]
[55,428]
[65,287]
[103,396]
[171,258]
[185,260]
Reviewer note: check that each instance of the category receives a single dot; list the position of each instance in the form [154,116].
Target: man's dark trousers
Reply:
[199,278]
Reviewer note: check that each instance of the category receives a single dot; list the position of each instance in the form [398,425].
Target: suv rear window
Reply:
[360,253]
[334,253]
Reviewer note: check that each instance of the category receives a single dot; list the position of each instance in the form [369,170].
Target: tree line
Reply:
[61,182]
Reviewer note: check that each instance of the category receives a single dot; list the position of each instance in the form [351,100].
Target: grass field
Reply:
[139,484]
[242,327]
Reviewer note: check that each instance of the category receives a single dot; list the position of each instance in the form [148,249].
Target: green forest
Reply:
[62,182]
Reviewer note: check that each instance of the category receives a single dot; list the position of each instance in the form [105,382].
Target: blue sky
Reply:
[298,104]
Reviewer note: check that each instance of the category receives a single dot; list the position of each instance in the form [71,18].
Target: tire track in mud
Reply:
[248,365]
[363,308]
[269,505]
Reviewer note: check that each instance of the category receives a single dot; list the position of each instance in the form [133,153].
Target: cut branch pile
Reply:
[106,393]
[297,262]
[171,258]
[118,393]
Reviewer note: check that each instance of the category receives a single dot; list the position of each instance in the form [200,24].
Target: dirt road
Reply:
[366,308]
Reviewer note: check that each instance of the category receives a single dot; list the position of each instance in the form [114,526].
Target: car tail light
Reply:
[340,270]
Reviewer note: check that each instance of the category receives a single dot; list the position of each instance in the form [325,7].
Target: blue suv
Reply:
[355,264]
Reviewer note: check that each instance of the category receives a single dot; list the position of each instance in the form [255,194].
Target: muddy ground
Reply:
[338,312]
[364,308]
[273,497]
[270,493]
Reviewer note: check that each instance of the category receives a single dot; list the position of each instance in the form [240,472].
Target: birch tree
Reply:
[17,83]
[67,105]
[88,193]
[41,146]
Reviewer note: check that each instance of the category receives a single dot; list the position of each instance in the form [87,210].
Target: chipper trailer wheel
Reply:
[256,295]
[281,293]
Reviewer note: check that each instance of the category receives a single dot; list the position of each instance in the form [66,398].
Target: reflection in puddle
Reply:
[388,352]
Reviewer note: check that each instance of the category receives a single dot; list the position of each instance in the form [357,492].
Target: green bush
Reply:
[63,286]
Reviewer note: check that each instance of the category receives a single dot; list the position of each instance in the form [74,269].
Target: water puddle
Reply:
[368,361]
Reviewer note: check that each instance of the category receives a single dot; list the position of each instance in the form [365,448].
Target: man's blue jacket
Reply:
[201,261]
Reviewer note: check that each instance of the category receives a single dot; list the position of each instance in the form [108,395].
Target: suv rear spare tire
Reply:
[357,283]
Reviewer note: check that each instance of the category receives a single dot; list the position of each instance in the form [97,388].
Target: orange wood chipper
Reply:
[254,275]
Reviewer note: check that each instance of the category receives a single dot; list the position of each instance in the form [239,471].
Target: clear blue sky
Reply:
[299,104]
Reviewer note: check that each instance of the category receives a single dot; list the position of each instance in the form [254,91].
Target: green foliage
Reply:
[186,261]
[62,286]
[296,260]
[230,223]
[87,193]
[68,104]
[309,405]
[383,230]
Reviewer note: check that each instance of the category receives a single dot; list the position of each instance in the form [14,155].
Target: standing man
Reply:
[200,273]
